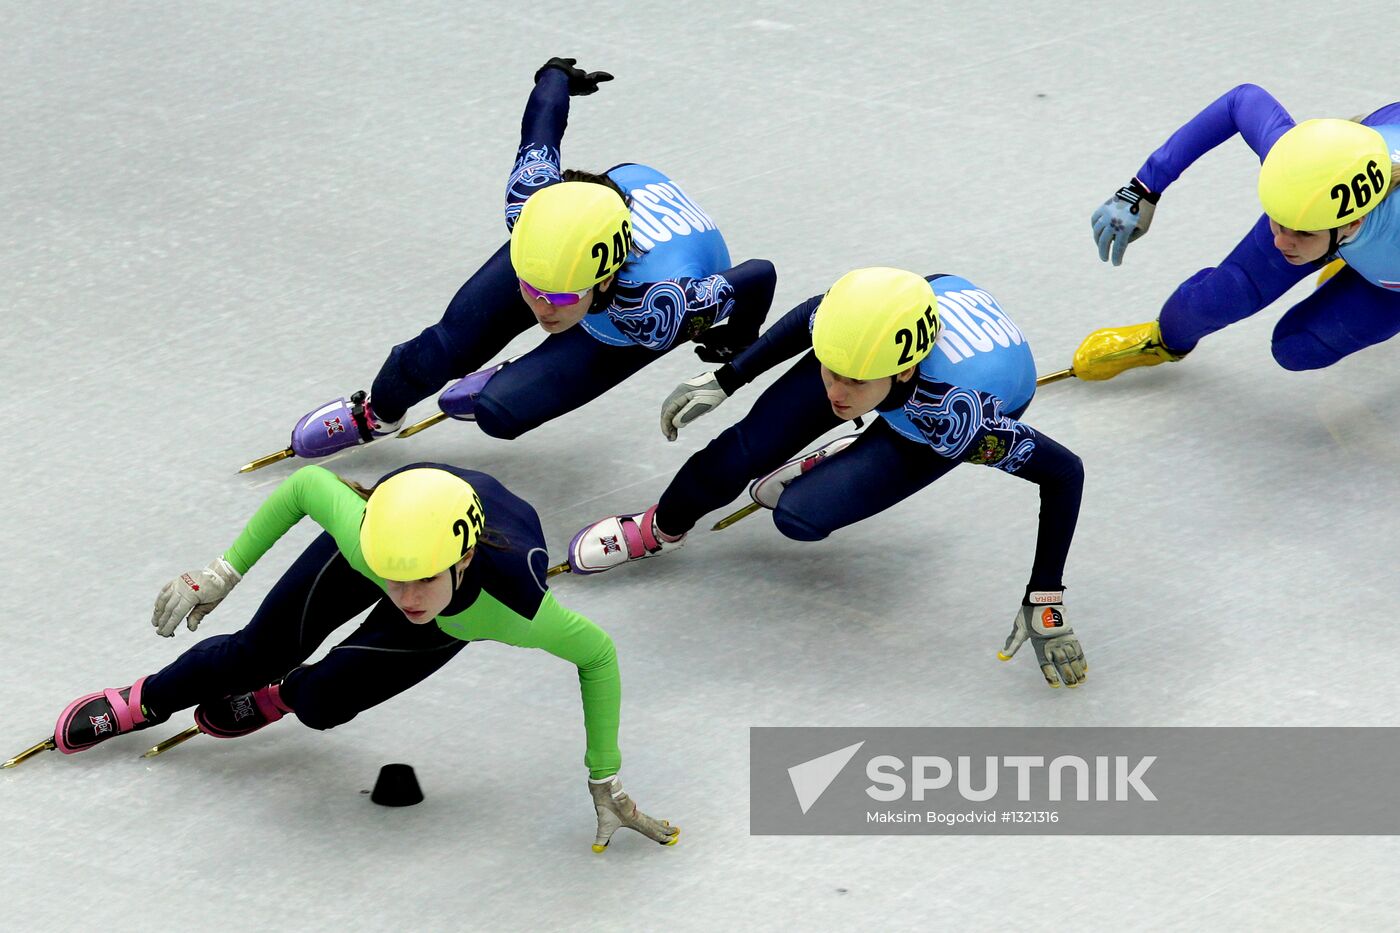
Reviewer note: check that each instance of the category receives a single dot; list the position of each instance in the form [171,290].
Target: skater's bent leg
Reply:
[792,412]
[486,314]
[1253,276]
[318,593]
[385,656]
[1344,315]
[565,372]
[880,469]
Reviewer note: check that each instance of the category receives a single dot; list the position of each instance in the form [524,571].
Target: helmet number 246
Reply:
[610,259]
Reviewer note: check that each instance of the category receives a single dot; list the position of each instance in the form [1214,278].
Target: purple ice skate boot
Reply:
[616,540]
[766,489]
[459,399]
[231,717]
[99,716]
[337,425]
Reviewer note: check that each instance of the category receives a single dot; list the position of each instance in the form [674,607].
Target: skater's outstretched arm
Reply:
[1247,109]
[567,634]
[1127,216]
[542,130]
[967,425]
[789,336]
[313,491]
[541,134]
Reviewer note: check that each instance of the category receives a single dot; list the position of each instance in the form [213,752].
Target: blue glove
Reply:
[1122,219]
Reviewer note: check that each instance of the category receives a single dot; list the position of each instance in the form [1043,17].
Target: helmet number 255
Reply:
[1363,186]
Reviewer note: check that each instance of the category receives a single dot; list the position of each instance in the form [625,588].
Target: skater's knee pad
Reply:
[1302,351]
[494,418]
[793,523]
[323,716]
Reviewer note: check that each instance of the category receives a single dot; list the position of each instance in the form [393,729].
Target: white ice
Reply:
[215,216]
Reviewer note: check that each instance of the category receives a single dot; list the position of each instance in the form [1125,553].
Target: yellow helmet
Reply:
[418,523]
[1323,174]
[570,236]
[875,322]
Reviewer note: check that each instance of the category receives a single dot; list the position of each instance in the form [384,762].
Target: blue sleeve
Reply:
[791,335]
[659,315]
[967,425]
[541,135]
[1248,110]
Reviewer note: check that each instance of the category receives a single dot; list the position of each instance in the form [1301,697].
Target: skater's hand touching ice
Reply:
[616,811]
[192,596]
[1042,620]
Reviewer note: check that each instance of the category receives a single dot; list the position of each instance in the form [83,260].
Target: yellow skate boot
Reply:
[1107,352]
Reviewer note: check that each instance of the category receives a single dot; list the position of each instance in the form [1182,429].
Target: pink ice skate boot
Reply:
[766,489]
[617,540]
[99,716]
[235,716]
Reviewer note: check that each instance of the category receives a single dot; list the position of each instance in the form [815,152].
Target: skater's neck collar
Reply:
[900,393]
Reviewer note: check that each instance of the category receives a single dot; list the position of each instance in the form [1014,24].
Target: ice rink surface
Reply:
[218,216]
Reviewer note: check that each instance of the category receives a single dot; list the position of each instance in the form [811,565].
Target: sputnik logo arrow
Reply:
[811,778]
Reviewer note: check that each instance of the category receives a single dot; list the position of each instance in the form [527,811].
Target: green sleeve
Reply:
[568,635]
[313,491]
[564,634]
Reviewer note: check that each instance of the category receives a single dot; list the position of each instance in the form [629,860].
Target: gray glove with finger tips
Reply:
[192,596]
[1041,619]
[1122,219]
[688,401]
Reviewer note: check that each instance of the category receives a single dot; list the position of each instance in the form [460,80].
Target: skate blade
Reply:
[558,569]
[171,742]
[261,462]
[45,746]
[423,425]
[738,516]
[1056,376]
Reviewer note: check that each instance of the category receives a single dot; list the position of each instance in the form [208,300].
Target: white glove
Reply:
[194,594]
[616,810]
[689,401]
[1042,620]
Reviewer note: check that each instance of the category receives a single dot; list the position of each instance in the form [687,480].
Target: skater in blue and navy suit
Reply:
[947,374]
[617,268]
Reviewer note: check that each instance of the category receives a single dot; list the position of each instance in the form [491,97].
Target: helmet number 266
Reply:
[1363,186]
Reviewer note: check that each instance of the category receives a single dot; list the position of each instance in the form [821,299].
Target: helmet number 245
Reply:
[917,341]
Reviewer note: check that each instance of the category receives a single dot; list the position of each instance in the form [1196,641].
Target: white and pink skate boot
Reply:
[616,540]
[234,716]
[766,489]
[97,717]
